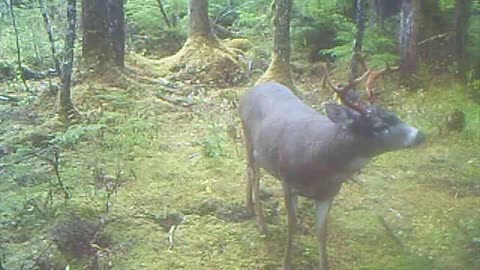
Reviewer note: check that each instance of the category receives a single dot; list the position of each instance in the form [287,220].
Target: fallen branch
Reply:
[176,102]
[439,36]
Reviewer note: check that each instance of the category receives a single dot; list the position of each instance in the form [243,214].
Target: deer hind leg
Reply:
[257,203]
[291,208]
[249,180]
[253,202]
[321,213]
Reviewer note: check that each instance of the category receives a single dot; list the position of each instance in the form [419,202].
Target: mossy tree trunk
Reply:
[279,69]
[462,16]
[203,58]
[200,28]
[199,21]
[67,111]
[103,33]
[409,56]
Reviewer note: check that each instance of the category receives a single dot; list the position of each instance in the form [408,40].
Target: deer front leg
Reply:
[249,179]
[321,213]
[291,208]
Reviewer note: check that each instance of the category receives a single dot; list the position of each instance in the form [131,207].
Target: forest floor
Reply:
[164,178]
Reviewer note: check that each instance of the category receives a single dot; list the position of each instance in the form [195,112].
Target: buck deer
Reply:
[312,154]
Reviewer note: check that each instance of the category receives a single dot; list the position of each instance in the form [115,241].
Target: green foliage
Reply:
[322,18]
[34,44]
[214,144]
[474,91]
[255,19]
[74,134]
[380,48]
[148,32]
[473,39]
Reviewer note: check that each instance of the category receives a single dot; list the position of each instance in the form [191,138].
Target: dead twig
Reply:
[439,36]
[177,102]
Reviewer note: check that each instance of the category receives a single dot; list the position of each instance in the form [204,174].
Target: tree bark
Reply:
[116,30]
[358,42]
[462,16]
[409,25]
[103,33]
[200,28]
[67,110]
[279,69]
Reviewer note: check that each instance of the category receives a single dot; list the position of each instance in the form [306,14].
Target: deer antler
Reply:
[346,92]
[373,76]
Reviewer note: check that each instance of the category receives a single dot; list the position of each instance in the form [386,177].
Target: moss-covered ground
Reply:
[179,167]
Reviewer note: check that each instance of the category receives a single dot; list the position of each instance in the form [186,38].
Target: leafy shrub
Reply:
[214,144]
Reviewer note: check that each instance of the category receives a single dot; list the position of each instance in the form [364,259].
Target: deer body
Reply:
[311,154]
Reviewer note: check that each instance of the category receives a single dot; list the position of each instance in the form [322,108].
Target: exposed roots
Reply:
[279,72]
[204,61]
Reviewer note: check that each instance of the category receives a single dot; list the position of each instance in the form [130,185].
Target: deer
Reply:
[313,154]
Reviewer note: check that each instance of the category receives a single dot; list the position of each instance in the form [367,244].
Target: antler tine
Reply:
[326,78]
[356,81]
[350,98]
[342,91]
[373,76]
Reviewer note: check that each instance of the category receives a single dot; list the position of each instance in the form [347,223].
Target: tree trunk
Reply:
[51,39]
[116,32]
[67,111]
[462,15]
[279,69]
[409,25]
[200,28]
[385,9]
[103,33]
[358,42]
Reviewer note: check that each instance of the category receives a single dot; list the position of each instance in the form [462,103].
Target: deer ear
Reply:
[339,114]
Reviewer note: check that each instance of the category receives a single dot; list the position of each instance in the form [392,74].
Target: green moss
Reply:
[427,197]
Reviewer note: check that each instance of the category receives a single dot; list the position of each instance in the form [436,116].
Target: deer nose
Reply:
[420,138]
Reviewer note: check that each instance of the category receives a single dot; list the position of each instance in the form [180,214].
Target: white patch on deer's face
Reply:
[398,137]
[411,137]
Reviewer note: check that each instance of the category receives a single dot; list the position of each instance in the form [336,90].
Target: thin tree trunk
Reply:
[358,42]
[409,57]
[67,110]
[48,27]
[279,69]
[462,16]
[164,14]
[17,42]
